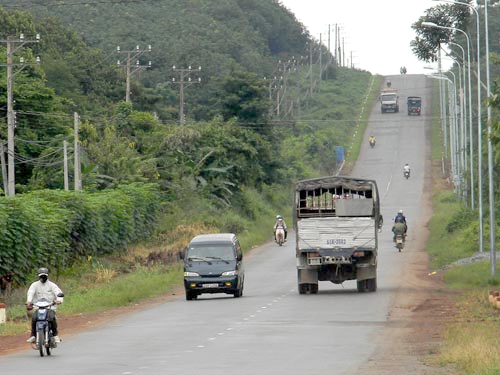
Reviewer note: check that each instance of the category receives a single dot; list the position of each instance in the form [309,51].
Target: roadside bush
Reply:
[460,220]
[54,228]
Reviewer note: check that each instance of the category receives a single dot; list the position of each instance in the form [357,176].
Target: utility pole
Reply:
[13,45]
[78,168]
[65,166]
[184,81]
[132,55]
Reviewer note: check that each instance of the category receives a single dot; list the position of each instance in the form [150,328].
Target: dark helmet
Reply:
[42,271]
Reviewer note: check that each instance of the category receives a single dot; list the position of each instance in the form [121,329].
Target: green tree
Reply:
[429,39]
[244,96]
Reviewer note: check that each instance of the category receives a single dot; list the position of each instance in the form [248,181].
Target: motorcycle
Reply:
[44,341]
[372,143]
[400,242]
[280,236]
[406,174]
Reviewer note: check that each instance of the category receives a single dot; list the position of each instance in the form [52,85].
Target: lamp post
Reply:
[479,131]
[479,121]
[455,135]
[462,125]
[452,110]
[471,143]
[490,150]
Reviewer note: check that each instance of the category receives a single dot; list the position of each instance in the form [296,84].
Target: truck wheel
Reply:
[313,288]
[302,288]
[369,285]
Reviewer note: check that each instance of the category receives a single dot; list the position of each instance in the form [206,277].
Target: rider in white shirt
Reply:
[280,223]
[406,168]
[44,288]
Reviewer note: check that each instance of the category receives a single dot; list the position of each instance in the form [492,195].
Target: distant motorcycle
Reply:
[406,174]
[400,243]
[280,236]
[372,143]
[44,342]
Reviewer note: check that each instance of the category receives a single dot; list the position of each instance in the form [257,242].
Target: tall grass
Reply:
[447,243]
[144,283]
[472,342]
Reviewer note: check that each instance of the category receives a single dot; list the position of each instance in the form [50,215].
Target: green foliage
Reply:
[328,121]
[428,40]
[444,246]
[244,96]
[53,228]
[215,35]
[473,275]
[460,220]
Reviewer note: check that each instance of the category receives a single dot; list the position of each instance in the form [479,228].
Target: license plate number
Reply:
[211,285]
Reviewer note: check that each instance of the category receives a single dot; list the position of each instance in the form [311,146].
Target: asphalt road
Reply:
[271,329]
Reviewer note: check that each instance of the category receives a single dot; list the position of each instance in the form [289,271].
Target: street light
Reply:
[454,138]
[471,143]
[452,109]
[463,134]
[490,150]
[479,124]
[479,131]
[442,111]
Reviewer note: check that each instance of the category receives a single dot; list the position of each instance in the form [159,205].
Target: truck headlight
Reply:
[190,274]
[230,273]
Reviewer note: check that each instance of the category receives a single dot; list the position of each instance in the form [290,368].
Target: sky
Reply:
[376,32]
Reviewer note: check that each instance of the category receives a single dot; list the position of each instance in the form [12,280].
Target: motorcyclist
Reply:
[399,228]
[371,139]
[44,288]
[406,168]
[280,223]
[400,218]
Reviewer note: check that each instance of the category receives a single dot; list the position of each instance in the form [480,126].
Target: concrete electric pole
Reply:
[132,55]
[184,81]
[13,45]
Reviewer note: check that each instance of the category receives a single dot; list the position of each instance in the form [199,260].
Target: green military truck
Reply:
[414,104]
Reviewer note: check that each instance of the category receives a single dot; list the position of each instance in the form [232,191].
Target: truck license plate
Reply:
[211,285]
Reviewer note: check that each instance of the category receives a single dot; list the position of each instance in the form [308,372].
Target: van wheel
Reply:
[239,292]
[190,296]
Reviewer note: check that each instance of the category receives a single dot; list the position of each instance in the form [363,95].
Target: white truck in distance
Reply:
[389,100]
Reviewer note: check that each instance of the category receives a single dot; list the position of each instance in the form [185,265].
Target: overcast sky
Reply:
[377,33]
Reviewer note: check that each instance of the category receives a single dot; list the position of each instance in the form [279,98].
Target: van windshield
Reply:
[224,252]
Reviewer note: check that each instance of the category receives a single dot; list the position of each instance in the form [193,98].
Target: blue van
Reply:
[213,263]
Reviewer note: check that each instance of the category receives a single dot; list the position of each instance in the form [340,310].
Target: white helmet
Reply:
[400,212]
